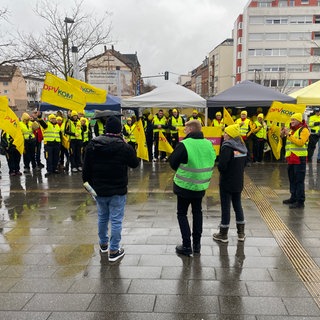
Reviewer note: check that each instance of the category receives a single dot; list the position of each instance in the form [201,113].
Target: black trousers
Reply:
[297,174]
[313,140]
[52,152]
[182,211]
[76,153]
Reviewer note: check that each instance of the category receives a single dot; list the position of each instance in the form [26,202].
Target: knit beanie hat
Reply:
[245,113]
[52,116]
[297,116]
[113,125]
[25,116]
[233,130]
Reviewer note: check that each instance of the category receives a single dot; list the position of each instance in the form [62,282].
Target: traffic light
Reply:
[166,75]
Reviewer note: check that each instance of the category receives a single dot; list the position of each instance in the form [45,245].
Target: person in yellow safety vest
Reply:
[86,134]
[74,129]
[99,127]
[29,154]
[195,116]
[52,143]
[174,122]
[65,144]
[314,125]
[259,137]
[159,124]
[232,116]
[296,156]
[218,121]
[245,132]
[127,131]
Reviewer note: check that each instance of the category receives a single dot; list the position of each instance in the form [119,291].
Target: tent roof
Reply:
[168,95]
[309,95]
[112,103]
[248,94]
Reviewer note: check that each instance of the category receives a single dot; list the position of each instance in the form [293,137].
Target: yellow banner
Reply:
[62,94]
[214,134]
[227,119]
[275,141]
[164,145]
[281,112]
[9,122]
[93,94]
[139,134]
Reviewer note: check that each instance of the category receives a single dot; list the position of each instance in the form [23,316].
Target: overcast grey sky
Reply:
[173,35]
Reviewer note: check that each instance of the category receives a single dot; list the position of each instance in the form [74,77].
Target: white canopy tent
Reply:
[167,95]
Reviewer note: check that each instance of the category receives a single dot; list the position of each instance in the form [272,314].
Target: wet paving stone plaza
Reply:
[51,267]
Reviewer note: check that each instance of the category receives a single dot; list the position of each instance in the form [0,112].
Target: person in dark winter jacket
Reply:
[105,168]
[232,161]
[193,160]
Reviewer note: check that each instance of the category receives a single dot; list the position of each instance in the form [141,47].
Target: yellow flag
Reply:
[227,119]
[93,94]
[281,112]
[139,134]
[9,122]
[164,145]
[62,94]
[275,140]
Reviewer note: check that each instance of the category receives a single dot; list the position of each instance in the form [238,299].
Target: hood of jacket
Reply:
[109,144]
[235,144]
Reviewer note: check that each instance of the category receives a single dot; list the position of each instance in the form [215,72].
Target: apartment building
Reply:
[221,75]
[34,90]
[200,79]
[277,43]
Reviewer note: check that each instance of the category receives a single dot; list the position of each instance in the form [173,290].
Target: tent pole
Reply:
[206,117]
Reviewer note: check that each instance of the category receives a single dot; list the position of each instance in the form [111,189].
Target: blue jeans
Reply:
[110,209]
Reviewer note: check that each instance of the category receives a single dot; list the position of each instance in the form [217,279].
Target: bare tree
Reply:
[9,44]
[79,28]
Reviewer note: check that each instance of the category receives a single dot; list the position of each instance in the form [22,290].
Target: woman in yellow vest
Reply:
[296,156]
[29,154]
[52,143]
[127,131]
[175,121]
[259,137]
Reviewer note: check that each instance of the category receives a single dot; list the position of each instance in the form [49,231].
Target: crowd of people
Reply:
[64,137]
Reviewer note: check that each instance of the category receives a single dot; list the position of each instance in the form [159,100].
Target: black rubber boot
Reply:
[240,230]
[222,236]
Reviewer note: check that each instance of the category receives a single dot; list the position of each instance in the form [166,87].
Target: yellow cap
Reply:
[52,117]
[82,119]
[195,111]
[244,112]
[174,110]
[260,115]
[74,113]
[129,119]
[297,116]
[59,118]
[233,130]
[218,113]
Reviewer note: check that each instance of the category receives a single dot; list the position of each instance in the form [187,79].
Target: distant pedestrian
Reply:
[193,160]
[232,161]
[105,168]
[296,156]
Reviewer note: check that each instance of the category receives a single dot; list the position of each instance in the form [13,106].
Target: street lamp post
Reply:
[66,21]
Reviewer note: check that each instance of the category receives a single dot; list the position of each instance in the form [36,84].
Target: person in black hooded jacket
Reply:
[232,161]
[105,168]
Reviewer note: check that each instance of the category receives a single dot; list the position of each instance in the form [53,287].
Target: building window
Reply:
[300,19]
[317,19]
[256,20]
[239,40]
[283,3]
[264,4]
[276,36]
[298,68]
[5,91]
[304,1]
[255,36]
[276,20]
[255,52]
[317,35]
[298,52]
[254,68]
[298,36]
[315,67]
[316,52]
[5,83]
[238,69]
[239,25]
[291,3]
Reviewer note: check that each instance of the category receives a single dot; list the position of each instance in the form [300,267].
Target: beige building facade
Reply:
[13,85]
[221,75]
